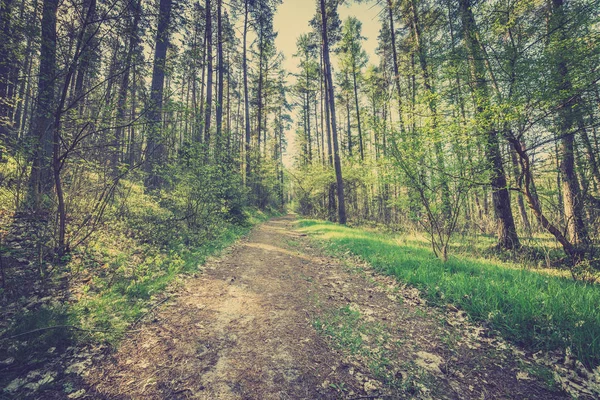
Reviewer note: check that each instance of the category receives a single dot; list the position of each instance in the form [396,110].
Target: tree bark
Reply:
[7,70]
[42,134]
[360,138]
[220,74]
[432,104]
[329,86]
[209,78]
[506,229]
[572,196]
[155,146]
[124,88]
[246,99]
[395,61]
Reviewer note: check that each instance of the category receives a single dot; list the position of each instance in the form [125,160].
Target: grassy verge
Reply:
[117,301]
[112,283]
[529,308]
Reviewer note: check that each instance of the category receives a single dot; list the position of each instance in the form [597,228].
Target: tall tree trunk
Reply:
[220,74]
[246,99]
[209,78]
[325,107]
[329,86]
[316,105]
[87,54]
[520,202]
[360,138]
[259,95]
[432,104]
[506,229]
[42,127]
[349,129]
[307,113]
[136,9]
[228,110]
[200,113]
[8,59]
[572,196]
[155,146]
[24,110]
[390,10]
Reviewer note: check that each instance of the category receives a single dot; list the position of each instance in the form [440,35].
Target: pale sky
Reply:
[291,20]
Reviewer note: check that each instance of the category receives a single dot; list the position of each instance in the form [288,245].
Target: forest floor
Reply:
[275,318]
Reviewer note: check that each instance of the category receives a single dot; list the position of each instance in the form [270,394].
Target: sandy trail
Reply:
[244,329]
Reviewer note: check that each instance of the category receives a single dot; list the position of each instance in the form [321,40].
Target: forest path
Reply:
[245,329]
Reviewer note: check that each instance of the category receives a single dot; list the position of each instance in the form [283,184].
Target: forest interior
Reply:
[299,199]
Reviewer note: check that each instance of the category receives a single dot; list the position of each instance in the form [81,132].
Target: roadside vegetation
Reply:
[141,249]
[530,308]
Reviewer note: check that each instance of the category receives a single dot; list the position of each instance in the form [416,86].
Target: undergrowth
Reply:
[112,281]
[533,309]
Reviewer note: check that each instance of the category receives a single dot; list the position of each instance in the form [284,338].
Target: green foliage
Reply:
[143,248]
[527,307]
[138,274]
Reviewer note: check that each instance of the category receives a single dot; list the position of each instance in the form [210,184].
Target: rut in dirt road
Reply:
[245,329]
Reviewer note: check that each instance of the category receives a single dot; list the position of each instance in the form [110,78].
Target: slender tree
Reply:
[331,99]
[155,146]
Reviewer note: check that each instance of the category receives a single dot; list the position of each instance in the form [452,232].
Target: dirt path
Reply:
[275,319]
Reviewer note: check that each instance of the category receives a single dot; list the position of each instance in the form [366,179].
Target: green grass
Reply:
[347,330]
[529,308]
[114,298]
[116,303]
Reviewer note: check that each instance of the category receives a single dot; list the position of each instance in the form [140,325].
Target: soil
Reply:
[260,323]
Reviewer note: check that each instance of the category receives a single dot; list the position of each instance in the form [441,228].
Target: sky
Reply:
[291,20]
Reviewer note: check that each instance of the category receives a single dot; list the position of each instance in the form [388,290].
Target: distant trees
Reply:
[84,107]
[474,110]
[467,103]
[353,59]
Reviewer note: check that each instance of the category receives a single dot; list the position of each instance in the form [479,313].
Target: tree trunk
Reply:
[349,133]
[572,196]
[259,96]
[209,78]
[41,179]
[432,104]
[329,86]
[7,70]
[155,144]
[506,229]
[220,74]
[520,202]
[307,113]
[86,57]
[246,99]
[124,88]
[360,138]
[395,60]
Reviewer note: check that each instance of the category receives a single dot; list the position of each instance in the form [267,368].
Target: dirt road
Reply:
[276,319]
